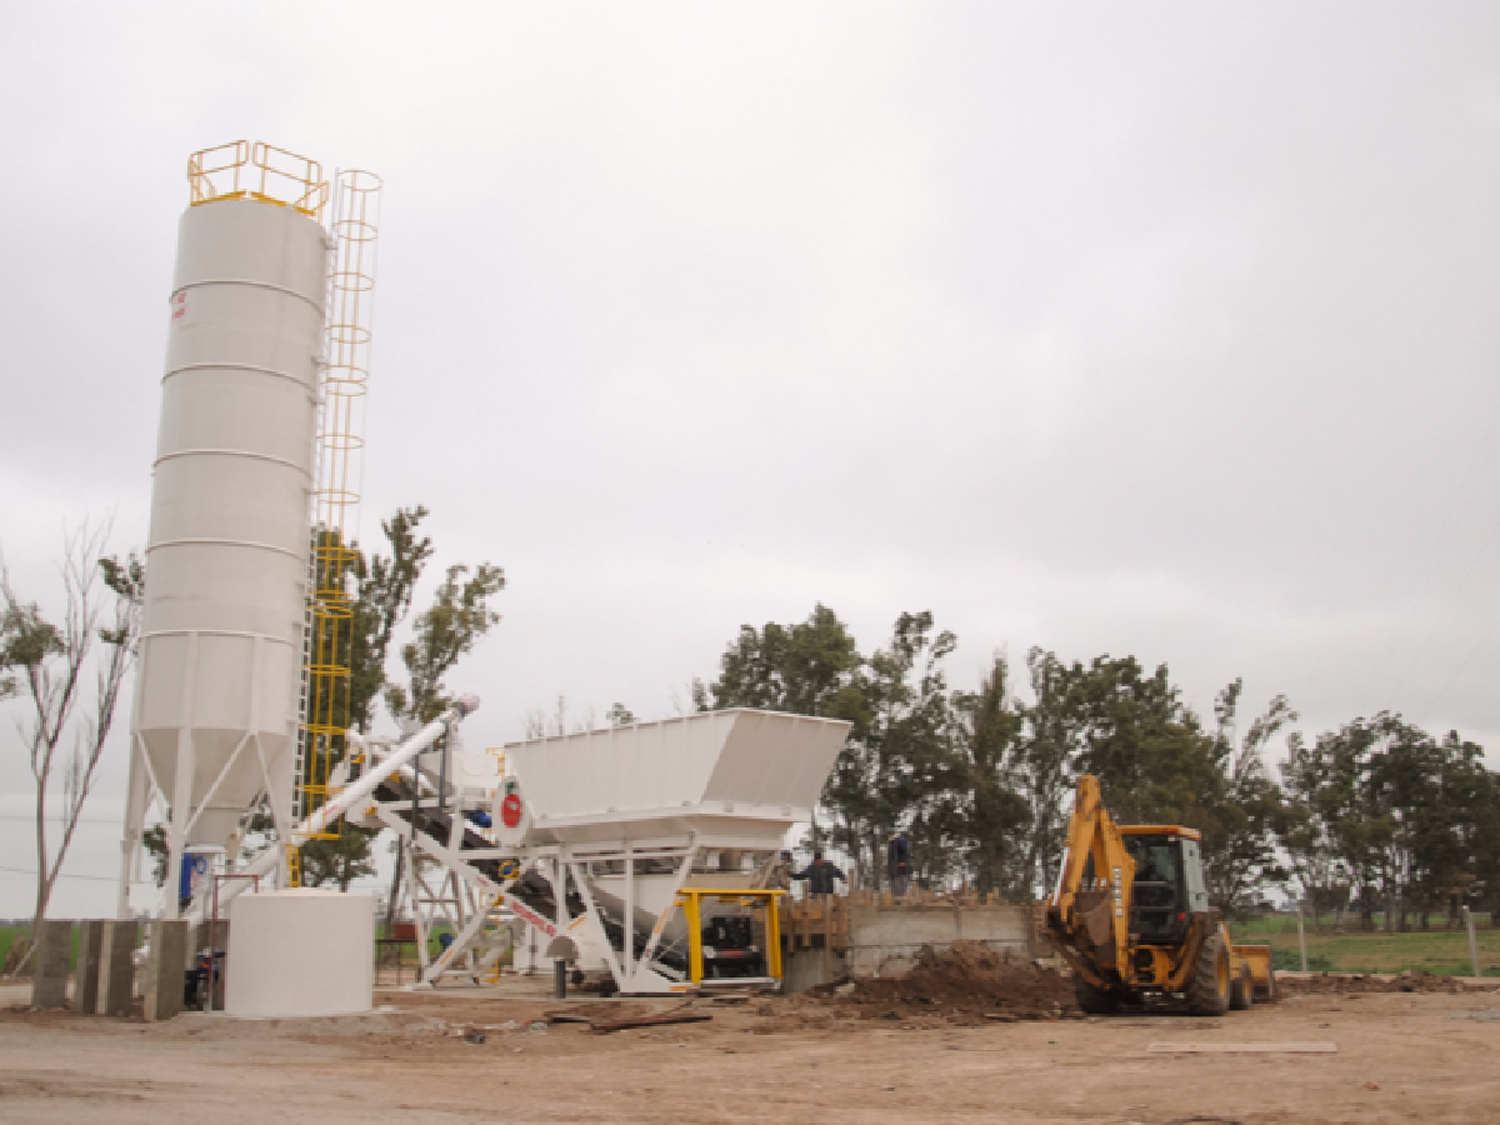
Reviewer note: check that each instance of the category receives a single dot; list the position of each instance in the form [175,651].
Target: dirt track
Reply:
[1401,1057]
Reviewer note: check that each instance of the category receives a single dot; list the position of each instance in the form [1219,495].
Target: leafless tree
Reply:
[47,667]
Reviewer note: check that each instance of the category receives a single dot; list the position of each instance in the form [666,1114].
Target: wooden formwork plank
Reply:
[1243,1048]
[651,1021]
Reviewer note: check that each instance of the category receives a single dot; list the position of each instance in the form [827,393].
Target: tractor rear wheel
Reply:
[1095,1001]
[1209,987]
[1243,993]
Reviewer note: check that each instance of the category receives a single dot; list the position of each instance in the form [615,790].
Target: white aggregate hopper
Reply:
[736,779]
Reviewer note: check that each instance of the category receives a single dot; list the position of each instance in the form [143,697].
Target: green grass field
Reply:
[7,939]
[8,935]
[1436,951]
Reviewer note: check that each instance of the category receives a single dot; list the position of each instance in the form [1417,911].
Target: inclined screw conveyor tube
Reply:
[366,784]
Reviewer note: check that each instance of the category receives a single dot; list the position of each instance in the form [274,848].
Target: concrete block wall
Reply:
[884,939]
[105,976]
[50,963]
[164,968]
[115,991]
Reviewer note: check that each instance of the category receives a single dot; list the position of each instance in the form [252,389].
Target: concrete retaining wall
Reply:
[163,984]
[115,989]
[884,940]
[49,963]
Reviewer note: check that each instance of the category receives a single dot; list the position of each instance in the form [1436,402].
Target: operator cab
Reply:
[1169,885]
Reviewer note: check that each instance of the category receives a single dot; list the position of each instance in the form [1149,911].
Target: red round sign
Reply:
[510,811]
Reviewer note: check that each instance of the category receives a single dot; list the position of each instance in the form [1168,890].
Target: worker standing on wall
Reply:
[822,877]
[898,863]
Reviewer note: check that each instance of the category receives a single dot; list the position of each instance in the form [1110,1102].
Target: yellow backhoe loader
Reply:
[1131,916]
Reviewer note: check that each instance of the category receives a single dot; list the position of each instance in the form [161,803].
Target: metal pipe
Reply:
[368,782]
[416,794]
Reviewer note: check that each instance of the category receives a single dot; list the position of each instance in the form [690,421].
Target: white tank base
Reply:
[301,952]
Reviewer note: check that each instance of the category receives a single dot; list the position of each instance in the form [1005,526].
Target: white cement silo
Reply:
[217,699]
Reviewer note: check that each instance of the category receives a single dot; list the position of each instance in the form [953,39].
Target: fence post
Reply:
[1473,941]
[1302,937]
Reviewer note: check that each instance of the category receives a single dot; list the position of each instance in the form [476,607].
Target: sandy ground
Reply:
[1401,1057]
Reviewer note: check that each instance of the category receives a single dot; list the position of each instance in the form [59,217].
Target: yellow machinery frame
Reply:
[763,901]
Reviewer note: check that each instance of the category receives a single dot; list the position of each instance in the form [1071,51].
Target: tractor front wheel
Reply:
[1243,994]
[1209,987]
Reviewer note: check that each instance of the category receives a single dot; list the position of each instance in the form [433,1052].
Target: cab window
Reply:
[1156,860]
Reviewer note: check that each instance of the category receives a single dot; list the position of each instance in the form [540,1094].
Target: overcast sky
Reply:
[1154,329]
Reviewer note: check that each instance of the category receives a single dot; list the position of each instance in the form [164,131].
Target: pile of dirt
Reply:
[966,984]
[1414,980]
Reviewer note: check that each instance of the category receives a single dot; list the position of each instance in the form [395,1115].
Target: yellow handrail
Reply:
[262,172]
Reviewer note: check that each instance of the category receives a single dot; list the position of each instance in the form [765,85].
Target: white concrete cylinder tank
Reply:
[221,652]
[302,952]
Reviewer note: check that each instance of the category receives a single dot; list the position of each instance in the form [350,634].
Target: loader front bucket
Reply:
[1258,957]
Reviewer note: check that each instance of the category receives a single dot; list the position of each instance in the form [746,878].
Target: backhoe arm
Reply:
[1089,914]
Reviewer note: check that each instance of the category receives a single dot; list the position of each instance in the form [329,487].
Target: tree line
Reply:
[1375,817]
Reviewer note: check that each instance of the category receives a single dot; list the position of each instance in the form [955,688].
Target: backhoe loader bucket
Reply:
[1258,957]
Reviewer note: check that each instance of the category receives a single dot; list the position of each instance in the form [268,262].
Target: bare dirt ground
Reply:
[1425,1055]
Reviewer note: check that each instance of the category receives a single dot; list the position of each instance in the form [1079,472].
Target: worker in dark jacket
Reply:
[821,876]
[898,863]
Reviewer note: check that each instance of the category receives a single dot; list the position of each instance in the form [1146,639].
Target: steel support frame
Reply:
[472,895]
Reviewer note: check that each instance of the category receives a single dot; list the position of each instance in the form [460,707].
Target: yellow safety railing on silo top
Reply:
[261,172]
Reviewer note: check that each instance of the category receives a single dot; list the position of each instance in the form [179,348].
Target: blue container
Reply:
[195,866]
